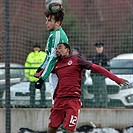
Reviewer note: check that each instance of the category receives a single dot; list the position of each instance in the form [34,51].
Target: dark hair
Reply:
[77,49]
[59,16]
[66,46]
[99,44]
[36,45]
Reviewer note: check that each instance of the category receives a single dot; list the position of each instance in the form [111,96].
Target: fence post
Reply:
[7,64]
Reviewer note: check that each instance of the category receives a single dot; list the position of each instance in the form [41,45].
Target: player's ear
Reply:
[68,51]
[58,23]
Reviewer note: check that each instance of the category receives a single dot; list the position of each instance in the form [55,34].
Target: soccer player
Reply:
[57,35]
[67,94]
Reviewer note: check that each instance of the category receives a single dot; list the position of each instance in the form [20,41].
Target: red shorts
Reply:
[66,111]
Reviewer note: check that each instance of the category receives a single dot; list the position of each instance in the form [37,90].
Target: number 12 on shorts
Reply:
[73,120]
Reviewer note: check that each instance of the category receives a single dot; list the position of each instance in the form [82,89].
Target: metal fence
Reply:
[22,24]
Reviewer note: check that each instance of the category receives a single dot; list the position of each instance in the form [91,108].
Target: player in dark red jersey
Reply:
[67,93]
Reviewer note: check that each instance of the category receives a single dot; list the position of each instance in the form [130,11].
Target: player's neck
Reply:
[65,56]
[56,28]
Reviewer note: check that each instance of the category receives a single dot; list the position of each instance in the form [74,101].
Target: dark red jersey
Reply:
[69,71]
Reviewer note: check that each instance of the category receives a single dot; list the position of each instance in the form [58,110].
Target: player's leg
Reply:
[52,130]
[68,131]
[72,110]
[53,80]
[57,115]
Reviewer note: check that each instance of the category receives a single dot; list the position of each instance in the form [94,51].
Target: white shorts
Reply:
[53,80]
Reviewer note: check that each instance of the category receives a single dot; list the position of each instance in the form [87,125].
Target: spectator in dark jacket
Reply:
[98,80]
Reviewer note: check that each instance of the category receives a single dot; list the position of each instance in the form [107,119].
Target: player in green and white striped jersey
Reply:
[57,35]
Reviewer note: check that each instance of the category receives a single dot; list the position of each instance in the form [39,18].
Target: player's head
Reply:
[54,20]
[62,50]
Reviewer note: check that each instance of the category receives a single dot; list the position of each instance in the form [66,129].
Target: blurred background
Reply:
[86,22]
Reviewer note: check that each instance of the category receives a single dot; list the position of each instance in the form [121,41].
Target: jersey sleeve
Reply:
[84,63]
[44,63]
[54,39]
[106,73]
[50,63]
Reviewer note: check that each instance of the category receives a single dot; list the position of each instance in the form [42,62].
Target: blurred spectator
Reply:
[99,84]
[77,51]
[34,60]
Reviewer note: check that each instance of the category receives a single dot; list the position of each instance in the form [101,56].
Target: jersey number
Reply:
[73,120]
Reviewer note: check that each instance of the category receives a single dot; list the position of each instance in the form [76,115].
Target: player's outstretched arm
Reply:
[108,74]
[124,82]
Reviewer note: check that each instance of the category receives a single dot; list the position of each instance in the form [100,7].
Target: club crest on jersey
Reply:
[70,62]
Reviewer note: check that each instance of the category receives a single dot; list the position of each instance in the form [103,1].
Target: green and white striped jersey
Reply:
[55,37]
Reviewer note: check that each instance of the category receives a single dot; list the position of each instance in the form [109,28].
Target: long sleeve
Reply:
[106,73]
[51,60]
[56,37]
[44,63]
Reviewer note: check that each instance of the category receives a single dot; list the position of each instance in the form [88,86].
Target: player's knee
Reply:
[52,130]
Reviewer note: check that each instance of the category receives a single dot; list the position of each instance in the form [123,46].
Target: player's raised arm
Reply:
[108,74]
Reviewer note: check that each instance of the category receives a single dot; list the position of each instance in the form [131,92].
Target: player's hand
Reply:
[124,82]
[39,83]
[38,74]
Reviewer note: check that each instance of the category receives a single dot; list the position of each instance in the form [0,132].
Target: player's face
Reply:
[62,51]
[51,24]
